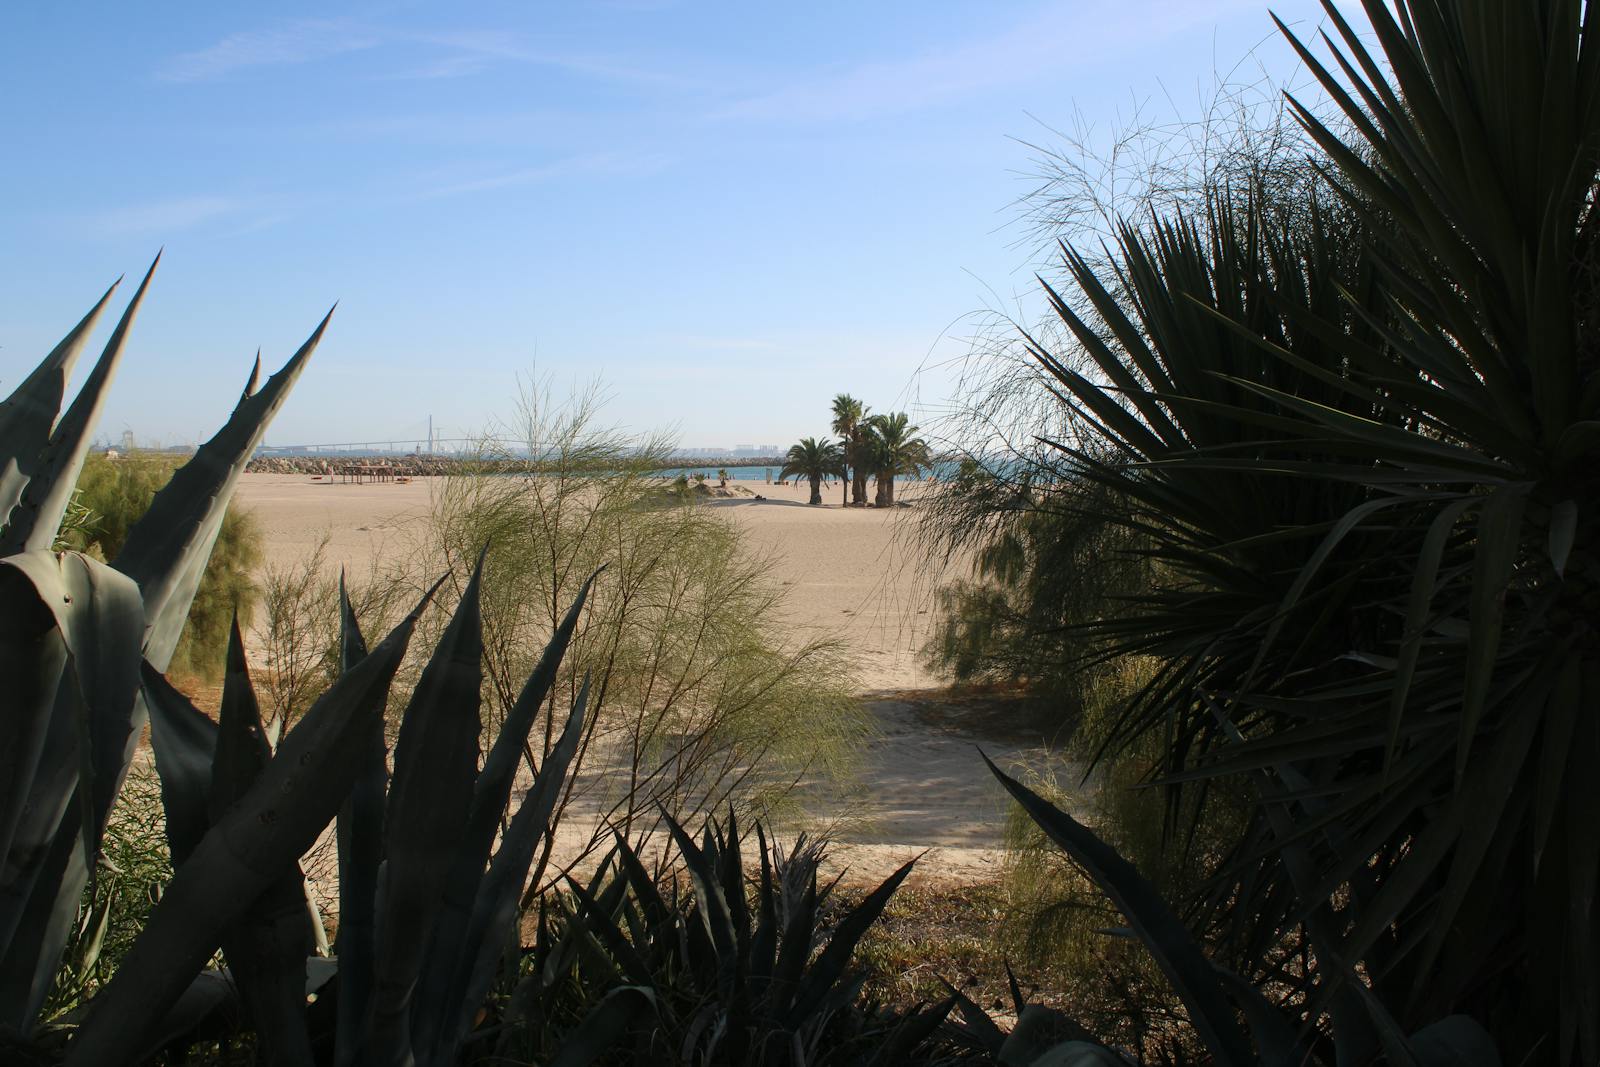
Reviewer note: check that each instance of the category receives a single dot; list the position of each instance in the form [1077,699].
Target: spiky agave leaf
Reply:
[436,1000]
[266,948]
[435,763]
[1192,976]
[166,550]
[360,843]
[261,835]
[33,523]
[87,745]
[27,415]
[494,913]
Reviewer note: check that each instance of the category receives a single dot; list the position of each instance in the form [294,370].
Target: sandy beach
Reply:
[847,573]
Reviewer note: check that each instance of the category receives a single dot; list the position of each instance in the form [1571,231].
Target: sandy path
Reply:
[845,575]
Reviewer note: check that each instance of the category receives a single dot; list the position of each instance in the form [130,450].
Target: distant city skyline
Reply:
[727,213]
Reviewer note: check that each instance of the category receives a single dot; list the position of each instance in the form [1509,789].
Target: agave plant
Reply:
[429,903]
[721,981]
[76,634]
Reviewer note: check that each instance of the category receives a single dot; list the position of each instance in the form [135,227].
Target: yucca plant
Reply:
[1356,435]
[1236,1021]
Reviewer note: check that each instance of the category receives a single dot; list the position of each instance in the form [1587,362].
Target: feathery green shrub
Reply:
[115,494]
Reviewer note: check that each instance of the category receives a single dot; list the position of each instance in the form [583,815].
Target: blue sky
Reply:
[727,211]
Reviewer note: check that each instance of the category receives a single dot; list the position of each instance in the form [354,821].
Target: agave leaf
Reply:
[602,924]
[97,610]
[27,415]
[166,550]
[360,840]
[494,913]
[1455,1041]
[210,993]
[184,740]
[833,959]
[435,762]
[715,916]
[730,869]
[1180,959]
[266,948]
[489,796]
[656,912]
[764,942]
[981,1031]
[1492,564]
[33,659]
[33,523]
[40,913]
[265,832]
[908,1036]
[794,950]
[1563,531]
[499,772]
[618,1011]
[87,746]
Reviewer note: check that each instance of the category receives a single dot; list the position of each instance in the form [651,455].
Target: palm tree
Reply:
[815,460]
[894,449]
[849,416]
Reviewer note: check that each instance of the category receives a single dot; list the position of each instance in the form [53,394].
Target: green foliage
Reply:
[734,974]
[849,422]
[1214,998]
[891,449]
[699,700]
[813,460]
[134,870]
[1349,415]
[75,633]
[1045,566]
[116,493]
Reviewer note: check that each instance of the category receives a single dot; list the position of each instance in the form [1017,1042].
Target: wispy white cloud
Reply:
[479,126]
[165,216]
[609,164]
[297,42]
[443,54]
[1026,52]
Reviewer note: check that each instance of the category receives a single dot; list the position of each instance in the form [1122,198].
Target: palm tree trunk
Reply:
[816,489]
[884,495]
[844,481]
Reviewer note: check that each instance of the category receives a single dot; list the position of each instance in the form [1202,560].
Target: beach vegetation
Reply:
[113,494]
[699,700]
[813,460]
[434,855]
[891,449]
[1334,404]
[849,422]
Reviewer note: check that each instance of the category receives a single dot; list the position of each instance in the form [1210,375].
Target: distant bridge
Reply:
[480,445]
[395,446]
